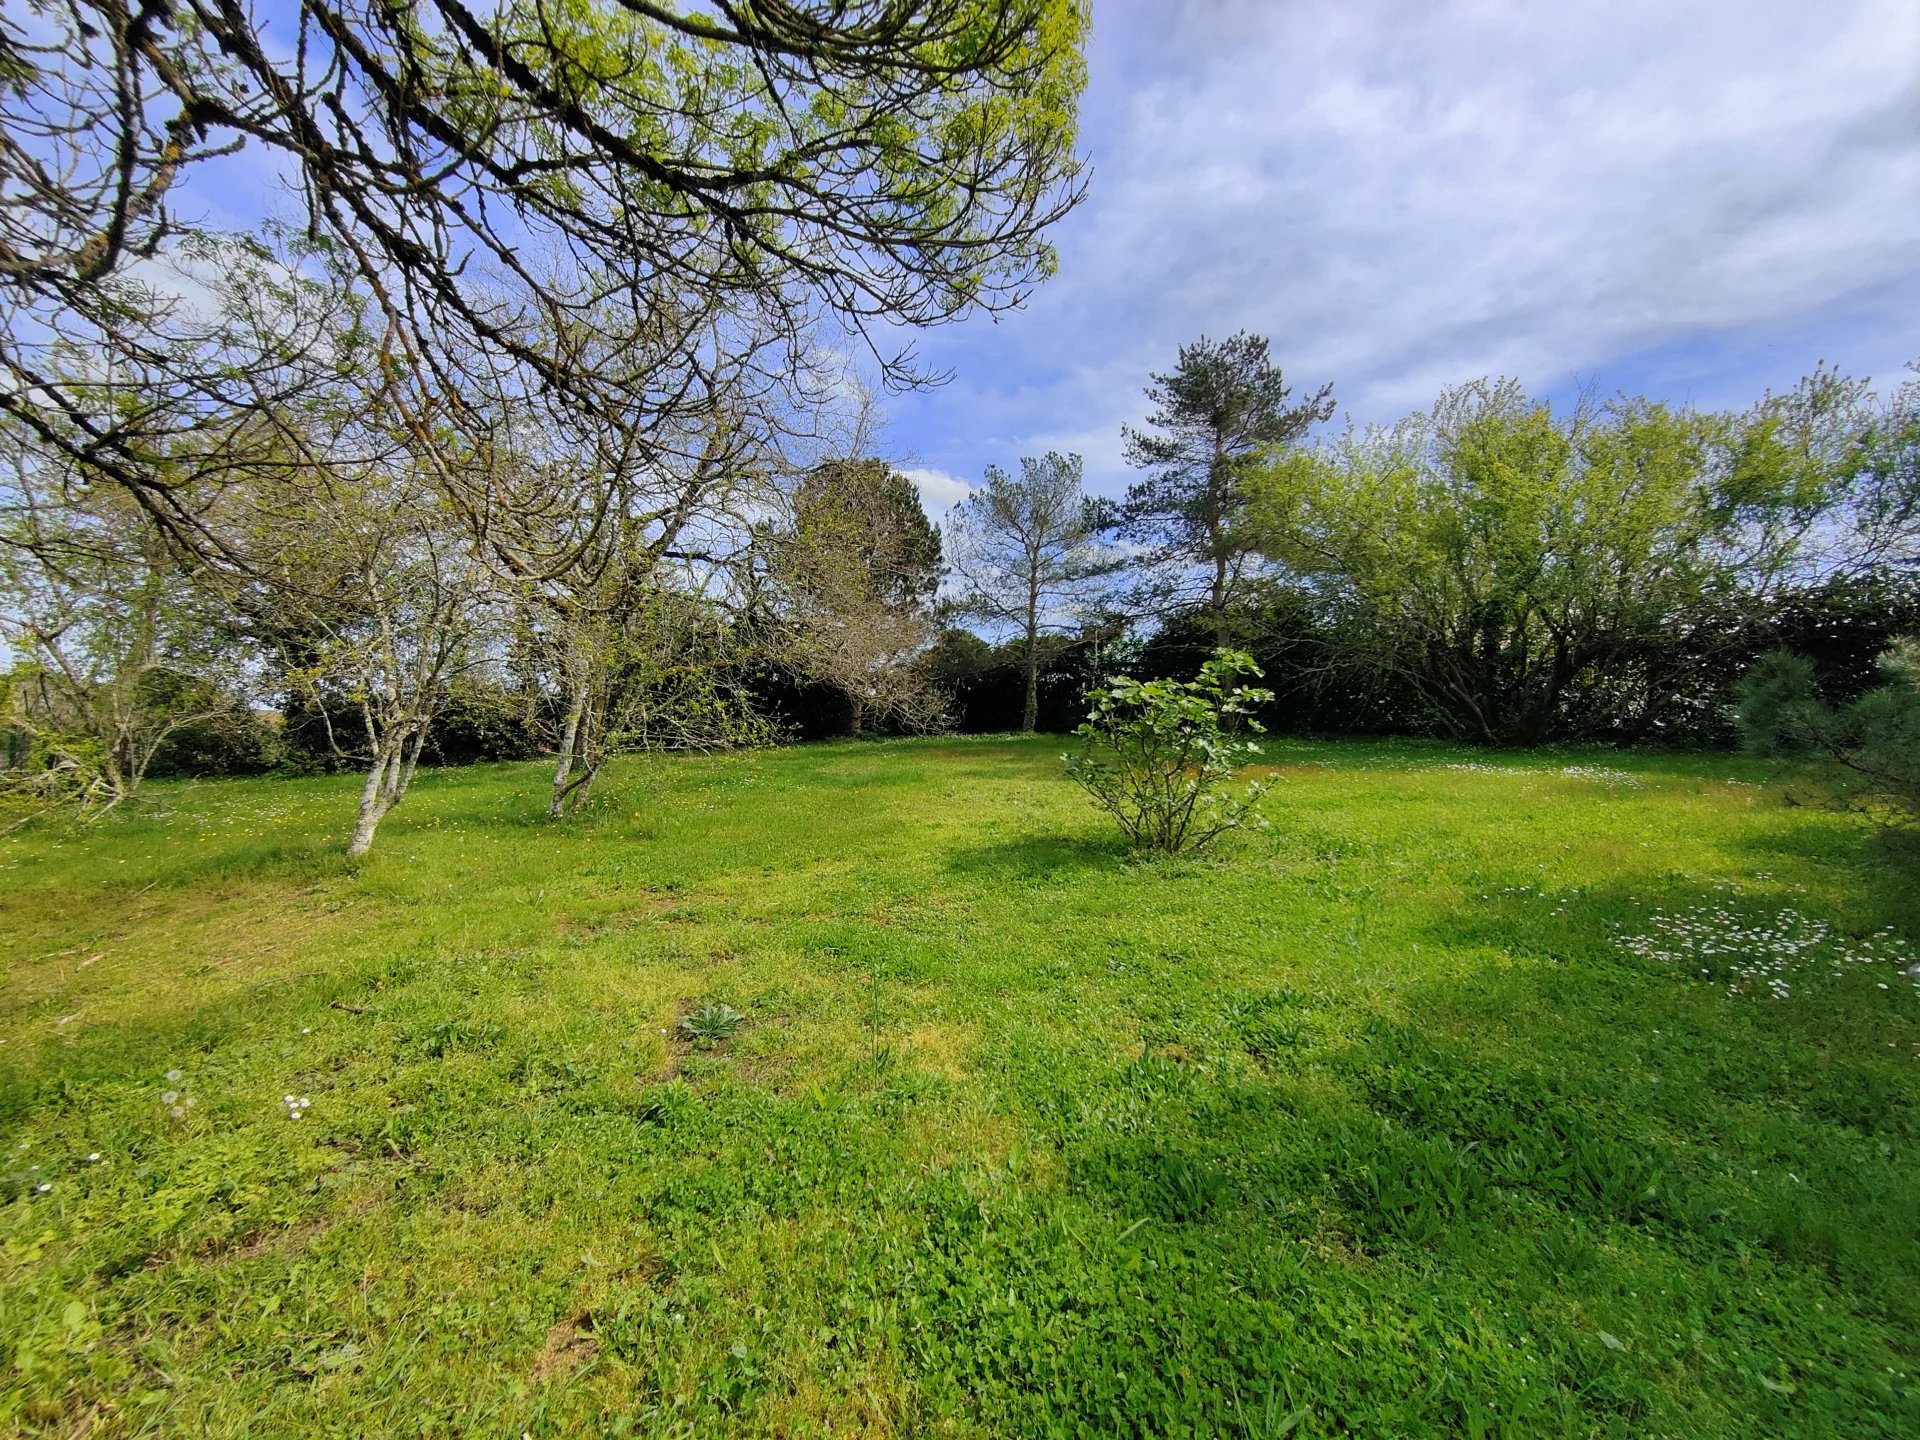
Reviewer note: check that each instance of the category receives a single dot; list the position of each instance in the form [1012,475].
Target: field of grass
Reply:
[1461,1102]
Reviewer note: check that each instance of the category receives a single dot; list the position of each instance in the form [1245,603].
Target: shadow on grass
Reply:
[1895,882]
[1777,1122]
[1038,857]
[1884,857]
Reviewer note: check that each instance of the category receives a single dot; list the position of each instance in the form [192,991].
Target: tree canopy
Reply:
[854,568]
[1025,554]
[553,198]
[1515,566]
[1216,412]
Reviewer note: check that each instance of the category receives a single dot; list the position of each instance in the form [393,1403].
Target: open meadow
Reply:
[1543,1094]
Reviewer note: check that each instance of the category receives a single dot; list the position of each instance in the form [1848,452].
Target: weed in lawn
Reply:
[711,1024]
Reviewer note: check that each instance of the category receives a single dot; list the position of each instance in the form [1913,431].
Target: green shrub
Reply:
[1157,755]
[1871,745]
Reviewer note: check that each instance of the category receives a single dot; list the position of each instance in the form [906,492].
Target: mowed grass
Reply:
[1373,1124]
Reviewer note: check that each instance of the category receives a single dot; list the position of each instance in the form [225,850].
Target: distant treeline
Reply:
[1842,625]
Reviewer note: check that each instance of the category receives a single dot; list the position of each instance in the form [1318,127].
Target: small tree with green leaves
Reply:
[98,629]
[1872,744]
[1025,555]
[1158,755]
[855,566]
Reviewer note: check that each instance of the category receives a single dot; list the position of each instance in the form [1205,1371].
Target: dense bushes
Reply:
[234,740]
[1521,573]
[479,720]
[1496,570]
[986,684]
[1678,687]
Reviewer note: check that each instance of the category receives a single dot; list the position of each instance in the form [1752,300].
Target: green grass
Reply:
[1368,1125]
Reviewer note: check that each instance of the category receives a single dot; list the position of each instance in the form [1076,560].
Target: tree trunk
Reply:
[390,781]
[125,772]
[1217,598]
[373,801]
[413,763]
[112,776]
[856,712]
[1030,710]
[563,768]
[583,791]
[1217,601]
[1217,540]
[581,765]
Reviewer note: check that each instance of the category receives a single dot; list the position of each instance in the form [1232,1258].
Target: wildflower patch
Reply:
[1768,955]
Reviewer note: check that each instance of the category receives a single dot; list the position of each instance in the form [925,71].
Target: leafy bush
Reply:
[67,739]
[220,734]
[1872,744]
[1157,754]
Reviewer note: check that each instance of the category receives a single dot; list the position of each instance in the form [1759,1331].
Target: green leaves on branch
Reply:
[1518,569]
[1872,745]
[853,571]
[1158,755]
[1216,414]
[587,205]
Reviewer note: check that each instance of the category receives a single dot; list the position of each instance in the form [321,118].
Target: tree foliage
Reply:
[646,665]
[631,634]
[1223,406]
[854,568]
[1025,554]
[370,593]
[556,199]
[1515,568]
[112,652]
[1870,744]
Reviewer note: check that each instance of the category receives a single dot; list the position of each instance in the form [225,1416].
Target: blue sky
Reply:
[1694,200]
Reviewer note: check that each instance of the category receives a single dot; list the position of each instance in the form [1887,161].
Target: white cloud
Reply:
[1406,196]
[939,491]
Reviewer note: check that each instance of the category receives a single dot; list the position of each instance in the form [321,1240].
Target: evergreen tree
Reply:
[1224,405]
[858,564]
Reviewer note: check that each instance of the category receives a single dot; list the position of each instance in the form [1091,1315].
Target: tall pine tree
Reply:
[1220,408]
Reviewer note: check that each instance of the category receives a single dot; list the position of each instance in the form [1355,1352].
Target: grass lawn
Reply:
[1409,1116]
